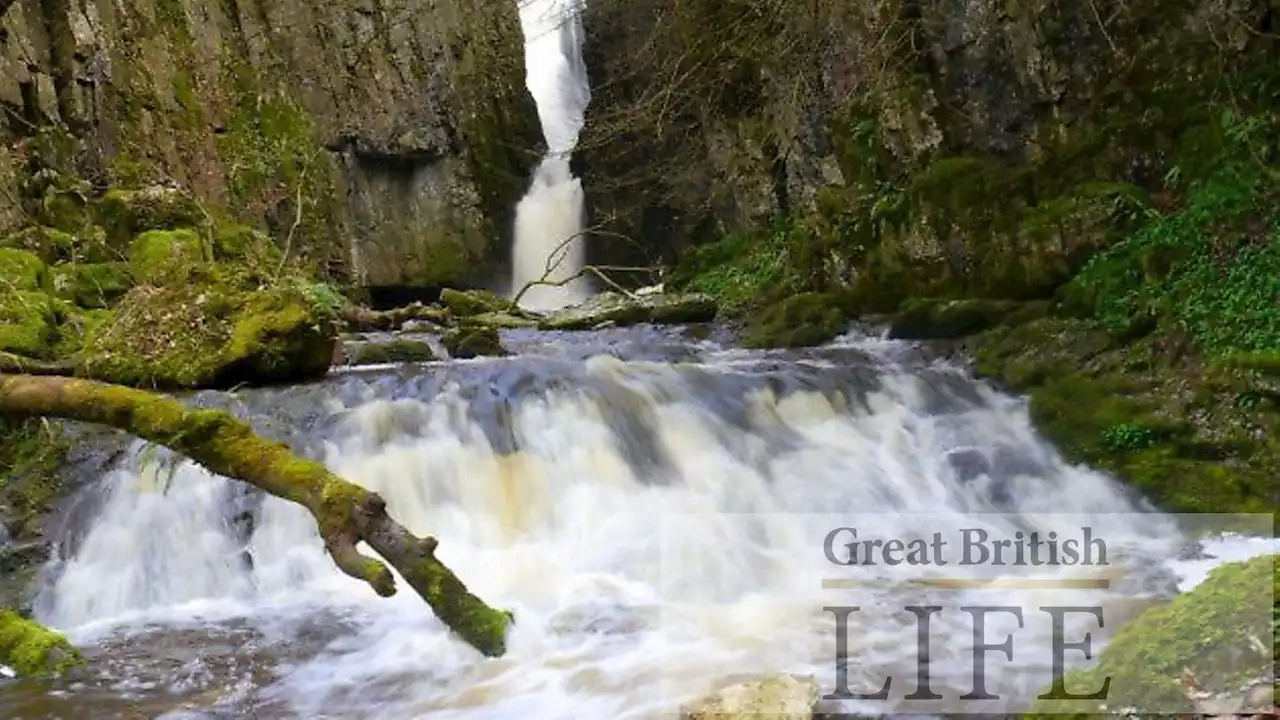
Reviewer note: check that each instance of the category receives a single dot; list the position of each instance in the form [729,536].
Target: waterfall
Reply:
[551,216]
[654,521]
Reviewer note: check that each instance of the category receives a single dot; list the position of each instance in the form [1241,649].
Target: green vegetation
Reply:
[32,650]
[1223,631]
[740,271]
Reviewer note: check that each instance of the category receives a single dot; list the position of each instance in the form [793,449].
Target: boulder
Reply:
[466,303]
[160,257]
[471,341]
[211,334]
[798,321]
[27,323]
[52,245]
[92,285]
[781,697]
[32,650]
[396,351]
[22,270]
[608,307]
[126,213]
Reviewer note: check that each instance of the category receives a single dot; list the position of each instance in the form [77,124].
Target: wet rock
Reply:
[471,341]
[782,697]
[396,351]
[659,309]
[798,321]
[32,650]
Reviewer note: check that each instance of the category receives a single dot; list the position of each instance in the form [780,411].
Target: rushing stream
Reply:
[648,504]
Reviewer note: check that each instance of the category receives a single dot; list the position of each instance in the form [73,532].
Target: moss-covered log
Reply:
[345,513]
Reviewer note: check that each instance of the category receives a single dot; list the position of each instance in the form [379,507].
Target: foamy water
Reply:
[656,527]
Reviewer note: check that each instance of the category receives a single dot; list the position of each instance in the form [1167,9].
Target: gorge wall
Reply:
[389,139]
[981,145]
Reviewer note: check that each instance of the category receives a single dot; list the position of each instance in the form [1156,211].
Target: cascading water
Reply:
[648,514]
[549,219]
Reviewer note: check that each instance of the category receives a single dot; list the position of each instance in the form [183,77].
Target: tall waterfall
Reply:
[550,218]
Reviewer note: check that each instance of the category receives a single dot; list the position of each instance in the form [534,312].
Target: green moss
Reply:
[1210,631]
[798,321]
[397,351]
[278,336]
[27,323]
[161,257]
[471,341]
[77,326]
[94,285]
[32,650]
[216,331]
[945,320]
[126,213]
[31,453]
[465,303]
[22,270]
[49,244]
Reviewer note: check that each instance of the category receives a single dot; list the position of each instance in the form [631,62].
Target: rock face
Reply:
[389,140]
[983,145]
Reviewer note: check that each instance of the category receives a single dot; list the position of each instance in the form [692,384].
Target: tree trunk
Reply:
[345,513]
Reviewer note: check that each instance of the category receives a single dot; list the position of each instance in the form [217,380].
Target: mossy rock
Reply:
[610,308]
[947,320]
[160,257]
[502,321]
[279,335]
[396,351]
[466,303]
[32,650]
[51,245]
[27,323]
[22,270]
[1223,631]
[92,285]
[241,243]
[210,335]
[798,321]
[126,213]
[469,341]
[76,327]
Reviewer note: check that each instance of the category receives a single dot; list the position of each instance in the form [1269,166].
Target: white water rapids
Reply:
[548,243]
[655,523]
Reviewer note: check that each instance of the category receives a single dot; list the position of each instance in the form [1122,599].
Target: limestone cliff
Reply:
[946,136]
[388,138]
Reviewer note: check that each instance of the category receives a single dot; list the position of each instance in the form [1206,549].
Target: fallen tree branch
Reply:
[596,270]
[11,363]
[345,513]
